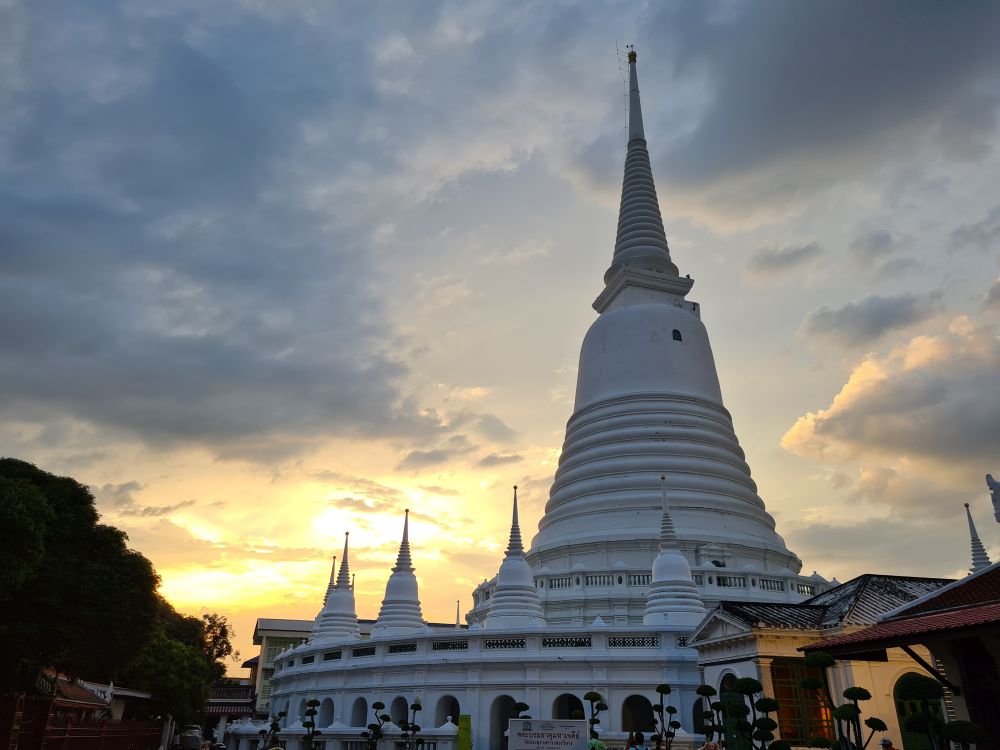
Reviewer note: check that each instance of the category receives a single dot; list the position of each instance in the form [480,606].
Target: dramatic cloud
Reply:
[804,95]
[497,459]
[867,320]
[982,234]
[119,500]
[873,247]
[991,300]
[932,399]
[773,264]
[457,445]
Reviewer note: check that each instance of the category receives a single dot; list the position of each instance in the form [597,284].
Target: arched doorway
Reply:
[637,715]
[325,717]
[359,713]
[399,711]
[447,705]
[568,706]
[500,715]
[301,715]
[904,709]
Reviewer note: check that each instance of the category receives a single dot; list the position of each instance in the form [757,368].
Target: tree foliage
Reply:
[75,598]
[78,601]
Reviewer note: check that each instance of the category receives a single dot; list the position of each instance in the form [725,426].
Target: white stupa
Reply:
[515,602]
[400,612]
[624,562]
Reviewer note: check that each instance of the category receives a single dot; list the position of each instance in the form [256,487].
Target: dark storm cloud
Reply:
[825,90]
[865,321]
[773,263]
[167,270]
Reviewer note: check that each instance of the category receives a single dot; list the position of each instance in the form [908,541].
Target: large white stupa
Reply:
[652,516]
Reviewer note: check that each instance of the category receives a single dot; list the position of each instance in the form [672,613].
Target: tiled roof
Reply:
[975,590]
[69,693]
[904,629]
[861,600]
[775,615]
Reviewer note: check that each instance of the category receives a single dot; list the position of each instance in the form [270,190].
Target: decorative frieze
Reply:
[634,641]
[462,645]
[567,642]
[498,643]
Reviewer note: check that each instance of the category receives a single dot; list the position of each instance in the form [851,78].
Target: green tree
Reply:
[409,727]
[665,718]
[175,673]
[269,736]
[310,723]
[75,598]
[374,732]
[217,638]
[748,718]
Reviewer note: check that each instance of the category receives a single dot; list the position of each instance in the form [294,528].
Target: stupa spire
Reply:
[641,240]
[344,577]
[515,602]
[515,544]
[338,620]
[673,599]
[980,559]
[400,612]
[333,580]
[403,559]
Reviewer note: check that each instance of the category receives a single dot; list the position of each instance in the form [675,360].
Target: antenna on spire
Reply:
[622,68]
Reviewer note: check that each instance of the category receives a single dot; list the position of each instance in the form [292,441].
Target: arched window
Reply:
[637,715]
[301,716]
[567,706]
[500,716]
[325,717]
[677,335]
[447,705]
[399,710]
[359,713]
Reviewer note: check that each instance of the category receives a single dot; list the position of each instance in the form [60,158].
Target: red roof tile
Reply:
[905,628]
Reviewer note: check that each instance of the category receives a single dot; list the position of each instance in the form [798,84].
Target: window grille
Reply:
[639,579]
[732,582]
[600,580]
[402,648]
[634,641]
[770,584]
[567,642]
[495,643]
[450,646]
[363,651]
[806,589]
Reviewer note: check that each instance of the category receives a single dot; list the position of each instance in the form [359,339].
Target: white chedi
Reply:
[673,599]
[400,612]
[338,620]
[515,602]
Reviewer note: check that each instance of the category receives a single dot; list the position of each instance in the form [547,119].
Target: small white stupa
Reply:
[980,559]
[673,599]
[400,612]
[515,602]
[338,620]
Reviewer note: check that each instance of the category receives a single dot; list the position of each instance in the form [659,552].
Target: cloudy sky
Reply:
[270,271]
